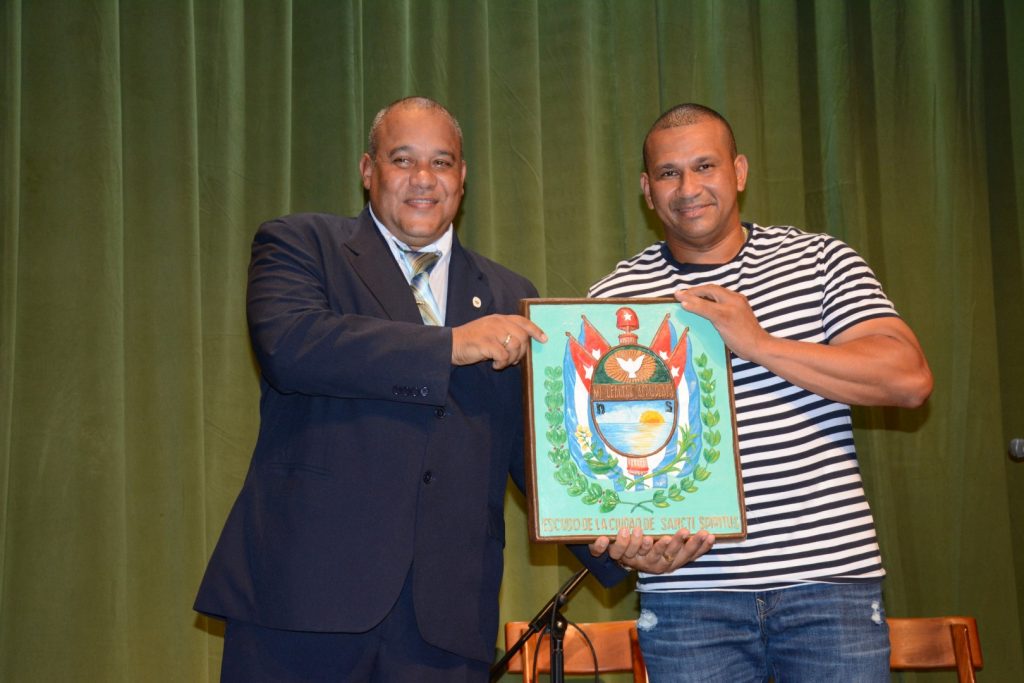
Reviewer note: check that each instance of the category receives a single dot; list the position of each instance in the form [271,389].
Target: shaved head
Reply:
[685,115]
[408,103]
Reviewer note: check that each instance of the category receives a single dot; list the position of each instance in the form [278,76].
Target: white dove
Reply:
[630,365]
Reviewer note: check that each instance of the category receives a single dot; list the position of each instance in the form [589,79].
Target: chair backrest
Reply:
[935,643]
[617,650]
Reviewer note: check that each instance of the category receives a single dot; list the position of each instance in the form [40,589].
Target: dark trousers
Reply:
[391,652]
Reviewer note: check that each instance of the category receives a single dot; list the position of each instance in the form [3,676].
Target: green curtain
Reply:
[142,142]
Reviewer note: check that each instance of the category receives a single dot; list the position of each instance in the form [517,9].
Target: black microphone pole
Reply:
[549,617]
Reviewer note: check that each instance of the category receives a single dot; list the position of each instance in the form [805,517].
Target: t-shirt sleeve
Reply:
[852,292]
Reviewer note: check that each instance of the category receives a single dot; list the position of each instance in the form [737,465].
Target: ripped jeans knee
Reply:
[647,620]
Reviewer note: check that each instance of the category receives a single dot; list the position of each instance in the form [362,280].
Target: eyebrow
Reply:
[407,149]
[670,165]
[693,162]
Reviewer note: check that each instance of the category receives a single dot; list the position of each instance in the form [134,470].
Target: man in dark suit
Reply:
[366,543]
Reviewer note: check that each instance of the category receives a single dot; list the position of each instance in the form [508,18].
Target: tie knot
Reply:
[422,261]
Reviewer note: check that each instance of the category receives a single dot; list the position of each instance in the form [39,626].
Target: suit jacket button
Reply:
[427,476]
[424,391]
[440,412]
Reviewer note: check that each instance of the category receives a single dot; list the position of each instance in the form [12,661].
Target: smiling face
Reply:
[415,178]
[692,182]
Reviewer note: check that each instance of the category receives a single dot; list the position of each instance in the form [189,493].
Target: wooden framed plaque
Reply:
[629,422]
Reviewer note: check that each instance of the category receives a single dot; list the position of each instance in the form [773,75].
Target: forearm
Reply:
[875,362]
[352,356]
[876,369]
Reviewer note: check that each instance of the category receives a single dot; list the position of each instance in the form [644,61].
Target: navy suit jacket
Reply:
[375,454]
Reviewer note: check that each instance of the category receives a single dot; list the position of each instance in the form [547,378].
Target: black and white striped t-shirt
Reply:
[807,517]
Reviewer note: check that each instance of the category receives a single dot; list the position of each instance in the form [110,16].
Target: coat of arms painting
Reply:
[629,422]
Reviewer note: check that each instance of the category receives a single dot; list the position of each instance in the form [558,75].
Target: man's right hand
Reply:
[503,339]
[631,548]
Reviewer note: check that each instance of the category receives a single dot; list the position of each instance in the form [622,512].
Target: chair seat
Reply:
[935,643]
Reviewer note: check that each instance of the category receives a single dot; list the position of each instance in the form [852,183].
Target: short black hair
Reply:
[685,115]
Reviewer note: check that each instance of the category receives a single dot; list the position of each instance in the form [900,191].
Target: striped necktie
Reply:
[421,263]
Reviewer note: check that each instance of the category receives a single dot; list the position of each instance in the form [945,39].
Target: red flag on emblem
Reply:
[662,342]
[583,361]
[677,361]
[585,356]
[593,341]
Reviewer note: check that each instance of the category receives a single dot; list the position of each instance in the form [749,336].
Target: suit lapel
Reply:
[469,295]
[373,262]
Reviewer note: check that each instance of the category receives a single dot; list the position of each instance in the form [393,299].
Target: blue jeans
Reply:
[815,633]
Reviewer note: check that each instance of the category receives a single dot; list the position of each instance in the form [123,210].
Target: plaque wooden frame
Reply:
[638,433]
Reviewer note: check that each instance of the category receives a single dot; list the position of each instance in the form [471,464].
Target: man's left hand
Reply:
[731,315]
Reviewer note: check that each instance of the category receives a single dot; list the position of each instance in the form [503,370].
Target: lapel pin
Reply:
[476,302]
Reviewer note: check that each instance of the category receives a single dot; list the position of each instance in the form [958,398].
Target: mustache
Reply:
[683,204]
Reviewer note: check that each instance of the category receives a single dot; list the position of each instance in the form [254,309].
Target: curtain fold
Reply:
[143,142]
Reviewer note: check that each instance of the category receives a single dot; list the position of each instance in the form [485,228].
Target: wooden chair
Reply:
[614,642]
[935,643]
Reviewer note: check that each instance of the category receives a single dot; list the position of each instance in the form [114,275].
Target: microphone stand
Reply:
[548,618]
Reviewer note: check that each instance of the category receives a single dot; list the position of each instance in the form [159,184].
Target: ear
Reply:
[645,185]
[462,177]
[741,167]
[366,169]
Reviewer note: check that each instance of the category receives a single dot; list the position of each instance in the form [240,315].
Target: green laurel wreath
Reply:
[567,473]
[579,485]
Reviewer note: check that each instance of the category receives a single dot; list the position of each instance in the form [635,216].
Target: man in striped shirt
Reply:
[811,332]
